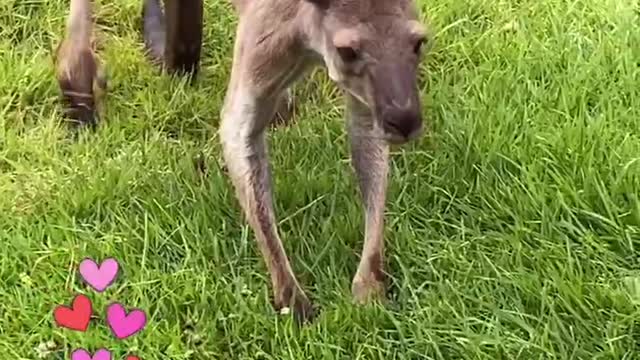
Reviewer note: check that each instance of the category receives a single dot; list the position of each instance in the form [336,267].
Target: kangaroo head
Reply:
[372,50]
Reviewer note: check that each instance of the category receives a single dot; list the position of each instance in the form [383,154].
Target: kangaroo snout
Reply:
[397,101]
[402,125]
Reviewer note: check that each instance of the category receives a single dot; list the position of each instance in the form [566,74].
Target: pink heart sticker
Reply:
[99,277]
[82,354]
[123,325]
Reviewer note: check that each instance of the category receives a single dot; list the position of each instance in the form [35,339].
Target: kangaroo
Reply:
[371,49]
[80,76]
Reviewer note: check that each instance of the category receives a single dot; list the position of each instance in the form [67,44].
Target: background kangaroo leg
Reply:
[184,35]
[370,160]
[249,107]
[173,37]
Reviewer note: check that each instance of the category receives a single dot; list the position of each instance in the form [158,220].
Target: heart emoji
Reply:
[99,277]
[82,354]
[132,357]
[75,318]
[123,325]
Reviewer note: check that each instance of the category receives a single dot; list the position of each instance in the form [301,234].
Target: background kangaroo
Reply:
[371,49]
[80,75]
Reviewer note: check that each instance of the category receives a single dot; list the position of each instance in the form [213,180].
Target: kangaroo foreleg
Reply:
[250,104]
[370,160]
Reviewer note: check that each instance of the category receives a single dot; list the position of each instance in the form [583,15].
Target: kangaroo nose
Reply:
[405,123]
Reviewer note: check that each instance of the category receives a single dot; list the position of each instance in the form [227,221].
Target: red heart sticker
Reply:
[132,357]
[75,318]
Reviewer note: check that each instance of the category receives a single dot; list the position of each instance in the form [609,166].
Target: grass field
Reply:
[513,225]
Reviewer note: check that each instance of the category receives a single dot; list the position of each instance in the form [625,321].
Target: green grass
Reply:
[513,226]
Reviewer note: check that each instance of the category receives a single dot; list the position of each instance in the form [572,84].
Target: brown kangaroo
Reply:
[371,49]
[79,73]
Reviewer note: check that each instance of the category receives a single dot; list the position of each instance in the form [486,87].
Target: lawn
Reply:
[513,225]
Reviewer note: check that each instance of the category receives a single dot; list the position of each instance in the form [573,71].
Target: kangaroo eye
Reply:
[348,54]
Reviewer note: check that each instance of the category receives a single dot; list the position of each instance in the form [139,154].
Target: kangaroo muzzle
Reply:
[397,101]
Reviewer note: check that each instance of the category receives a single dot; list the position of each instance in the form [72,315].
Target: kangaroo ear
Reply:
[322,4]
